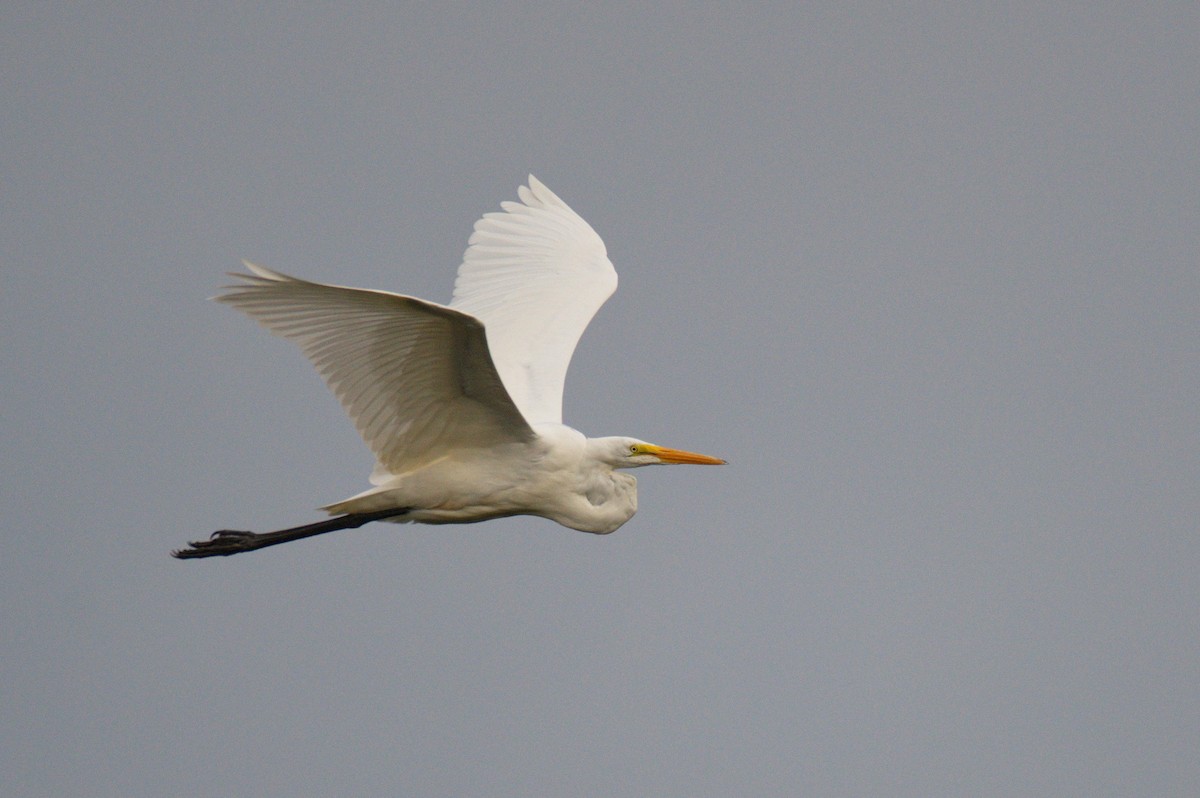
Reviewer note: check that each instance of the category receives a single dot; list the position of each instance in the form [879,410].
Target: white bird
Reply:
[462,404]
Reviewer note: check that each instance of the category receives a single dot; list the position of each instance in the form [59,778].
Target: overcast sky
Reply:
[927,278]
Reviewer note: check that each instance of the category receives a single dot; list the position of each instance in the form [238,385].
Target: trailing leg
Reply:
[225,542]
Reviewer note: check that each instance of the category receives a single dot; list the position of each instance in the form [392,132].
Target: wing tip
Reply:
[537,194]
[257,276]
[265,273]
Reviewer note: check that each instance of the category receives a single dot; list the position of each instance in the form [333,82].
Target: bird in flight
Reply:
[461,404]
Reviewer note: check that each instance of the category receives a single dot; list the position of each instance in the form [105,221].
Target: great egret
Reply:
[462,404]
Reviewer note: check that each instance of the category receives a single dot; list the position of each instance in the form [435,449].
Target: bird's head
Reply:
[632,453]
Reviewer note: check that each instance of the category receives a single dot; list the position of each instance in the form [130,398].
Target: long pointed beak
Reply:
[680,456]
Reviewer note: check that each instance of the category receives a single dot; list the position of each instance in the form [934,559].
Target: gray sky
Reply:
[928,279]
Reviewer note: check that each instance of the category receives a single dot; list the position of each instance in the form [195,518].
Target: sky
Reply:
[926,276]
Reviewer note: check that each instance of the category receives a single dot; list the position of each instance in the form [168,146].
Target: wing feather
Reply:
[535,274]
[415,377]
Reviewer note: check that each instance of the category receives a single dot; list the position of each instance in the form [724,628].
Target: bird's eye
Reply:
[633,449]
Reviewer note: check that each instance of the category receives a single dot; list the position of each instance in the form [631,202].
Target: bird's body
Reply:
[557,475]
[462,404]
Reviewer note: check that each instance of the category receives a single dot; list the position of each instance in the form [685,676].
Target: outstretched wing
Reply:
[415,377]
[534,275]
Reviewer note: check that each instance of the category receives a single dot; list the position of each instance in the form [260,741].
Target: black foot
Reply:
[221,543]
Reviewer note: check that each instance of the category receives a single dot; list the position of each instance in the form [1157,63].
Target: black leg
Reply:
[231,541]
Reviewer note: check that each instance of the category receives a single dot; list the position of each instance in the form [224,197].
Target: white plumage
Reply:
[462,404]
[535,275]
